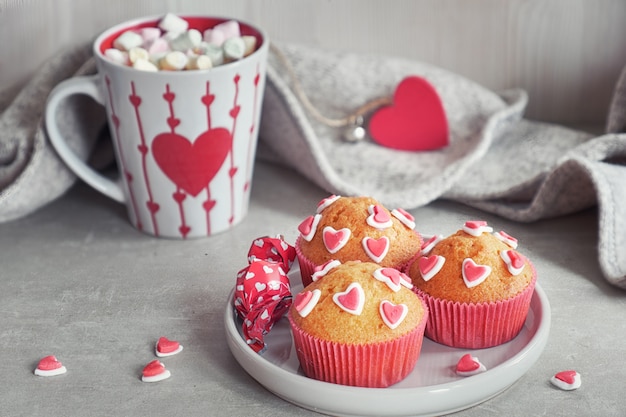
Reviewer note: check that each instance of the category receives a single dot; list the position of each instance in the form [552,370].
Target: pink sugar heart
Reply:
[566,376]
[308,227]
[326,202]
[333,239]
[405,217]
[467,364]
[390,276]
[392,314]
[49,363]
[352,299]
[376,249]
[167,347]
[429,266]
[506,238]
[378,217]
[474,274]
[154,371]
[513,260]
[306,301]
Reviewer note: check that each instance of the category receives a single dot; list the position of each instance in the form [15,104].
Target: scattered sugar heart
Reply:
[416,121]
[469,365]
[352,299]
[566,380]
[378,217]
[390,276]
[154,371]
[50,366]
[167,347]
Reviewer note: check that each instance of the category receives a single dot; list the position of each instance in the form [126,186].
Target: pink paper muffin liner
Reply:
[374,365]
[477,326]
[307,268]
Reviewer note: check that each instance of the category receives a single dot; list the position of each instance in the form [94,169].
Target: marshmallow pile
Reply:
[172,46]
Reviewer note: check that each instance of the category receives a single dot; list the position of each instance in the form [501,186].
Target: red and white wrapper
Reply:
[477,326]
[262,291]
[374,365]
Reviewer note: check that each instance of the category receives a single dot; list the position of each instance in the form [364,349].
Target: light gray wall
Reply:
[566,53]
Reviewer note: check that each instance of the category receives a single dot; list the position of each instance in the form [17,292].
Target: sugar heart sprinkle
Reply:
[476,227]
[322,270]
[566,380]
[306,301]
[474,274]
[166,347]
[378,218]
[333,239]
[49,366]
[392,314]
[154,372]
[429,266]
[469,365]
[352,299]
[376,249]
[326,202]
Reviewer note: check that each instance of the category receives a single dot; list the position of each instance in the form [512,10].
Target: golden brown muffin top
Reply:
[359,228]
[487,251]
[348,309]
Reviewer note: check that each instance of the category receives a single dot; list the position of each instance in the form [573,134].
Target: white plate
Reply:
[432,388]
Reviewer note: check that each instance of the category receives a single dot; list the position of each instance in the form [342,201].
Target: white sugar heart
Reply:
[333,239]
[474,274]
[376,249]
[392,314]
[352,299]
[306,301]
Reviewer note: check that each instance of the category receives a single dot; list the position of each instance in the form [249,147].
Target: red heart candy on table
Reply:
[416,121]
[153,368]
[166,346]
[49,363]
[467,363]
[566,376]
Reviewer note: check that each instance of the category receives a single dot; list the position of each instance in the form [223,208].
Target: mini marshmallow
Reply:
[234,49]
[145,65]
[214,37]
[250,44]
[230,29]
[173,23]
[212,51]
[137,53]
[149,34]
[128,40]
[186,40]
[117,56]
[174,61]
[157,46]
[199,62]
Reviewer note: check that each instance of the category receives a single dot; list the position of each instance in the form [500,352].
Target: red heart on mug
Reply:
[416,121]
[192,166]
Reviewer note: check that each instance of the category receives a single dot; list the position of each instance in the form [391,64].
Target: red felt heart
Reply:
[416,121]
[192,166]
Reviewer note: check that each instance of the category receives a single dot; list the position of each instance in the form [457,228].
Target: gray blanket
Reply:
[497,161]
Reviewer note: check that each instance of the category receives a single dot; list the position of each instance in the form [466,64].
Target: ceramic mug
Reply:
[184,141]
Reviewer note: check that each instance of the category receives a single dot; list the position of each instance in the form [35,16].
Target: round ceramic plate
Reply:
[432,388]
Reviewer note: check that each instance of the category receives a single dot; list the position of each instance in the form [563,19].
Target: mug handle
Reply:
[90,86]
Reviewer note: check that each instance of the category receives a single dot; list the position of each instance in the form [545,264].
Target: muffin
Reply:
[476,285]
[359,325]
[355,229]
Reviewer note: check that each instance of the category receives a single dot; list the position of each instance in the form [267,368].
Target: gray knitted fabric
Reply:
[497,161]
